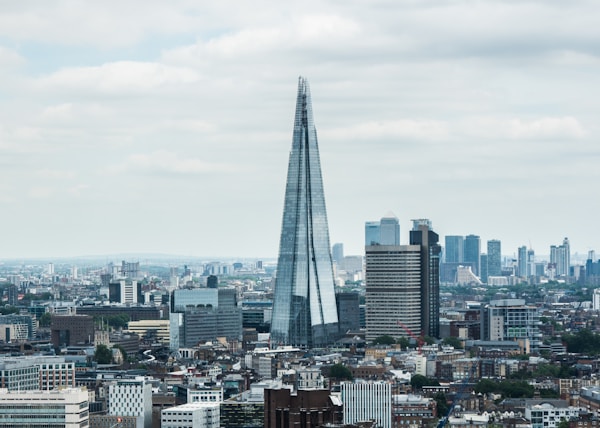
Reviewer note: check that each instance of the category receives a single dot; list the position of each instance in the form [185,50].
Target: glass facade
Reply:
[304,309]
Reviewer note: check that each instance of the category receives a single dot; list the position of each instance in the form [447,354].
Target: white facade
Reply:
[191,415]
[596,299]
[365,401]
[547,415]
[66,407]
[131,397]
[205,395]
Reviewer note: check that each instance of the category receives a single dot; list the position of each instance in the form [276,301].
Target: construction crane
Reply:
[459,394]
[419,339]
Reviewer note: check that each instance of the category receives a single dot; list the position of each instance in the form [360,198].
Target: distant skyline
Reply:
[146,127]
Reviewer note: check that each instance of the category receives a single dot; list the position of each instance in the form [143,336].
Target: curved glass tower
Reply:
[304,310]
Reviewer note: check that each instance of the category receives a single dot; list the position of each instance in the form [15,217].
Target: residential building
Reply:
[511,319]
[522,262]
[549,413]
[304,310]
[494,257]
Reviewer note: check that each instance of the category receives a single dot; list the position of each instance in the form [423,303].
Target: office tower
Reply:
[125,291]
[337,252]
[365,401]
[304,312]
[212,281]
[472,252]
[454,249]
[483,267]
[203,314]
[348,305]
[393,290]
[494,257]
[427,240]
[67,407]
[372,233]
[522,262]
[131,397]
[389,230]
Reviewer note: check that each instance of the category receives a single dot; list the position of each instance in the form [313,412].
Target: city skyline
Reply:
[153,128]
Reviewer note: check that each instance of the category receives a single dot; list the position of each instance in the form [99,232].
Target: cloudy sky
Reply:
[165,127]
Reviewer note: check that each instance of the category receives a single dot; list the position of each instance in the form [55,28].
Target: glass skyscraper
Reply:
[304,309]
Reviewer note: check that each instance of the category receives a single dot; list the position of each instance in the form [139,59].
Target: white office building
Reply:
[66,407]
[365,401]
[191,415]
[131,397]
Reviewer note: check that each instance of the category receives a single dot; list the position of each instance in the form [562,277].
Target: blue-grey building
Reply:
[454,249]
[304,306]
[494,259]
[472,252]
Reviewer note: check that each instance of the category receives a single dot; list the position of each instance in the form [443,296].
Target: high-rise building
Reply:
[372,233]
[393,290]
[427,239]
[522,262]
[560,257]
[454,249]
[304,310]
[472,252]
[383,232]
[494,259]
[389,230]
[483,267]
[337,252]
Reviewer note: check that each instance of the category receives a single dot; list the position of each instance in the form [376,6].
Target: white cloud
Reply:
[119,77]
[402,128]
[166,162]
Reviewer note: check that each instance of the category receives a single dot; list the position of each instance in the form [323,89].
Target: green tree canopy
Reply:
[453,341]
[419,381]
[45,319]
[384,340]
[103,354]
[340,371]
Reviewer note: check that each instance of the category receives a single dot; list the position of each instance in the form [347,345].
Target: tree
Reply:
[103,354]
[340,371]
[442,403]
[45,319]
[419,381]
[453,341]
[403,342]
[384,340]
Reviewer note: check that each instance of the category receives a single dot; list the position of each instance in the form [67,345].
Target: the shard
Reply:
[304,309]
